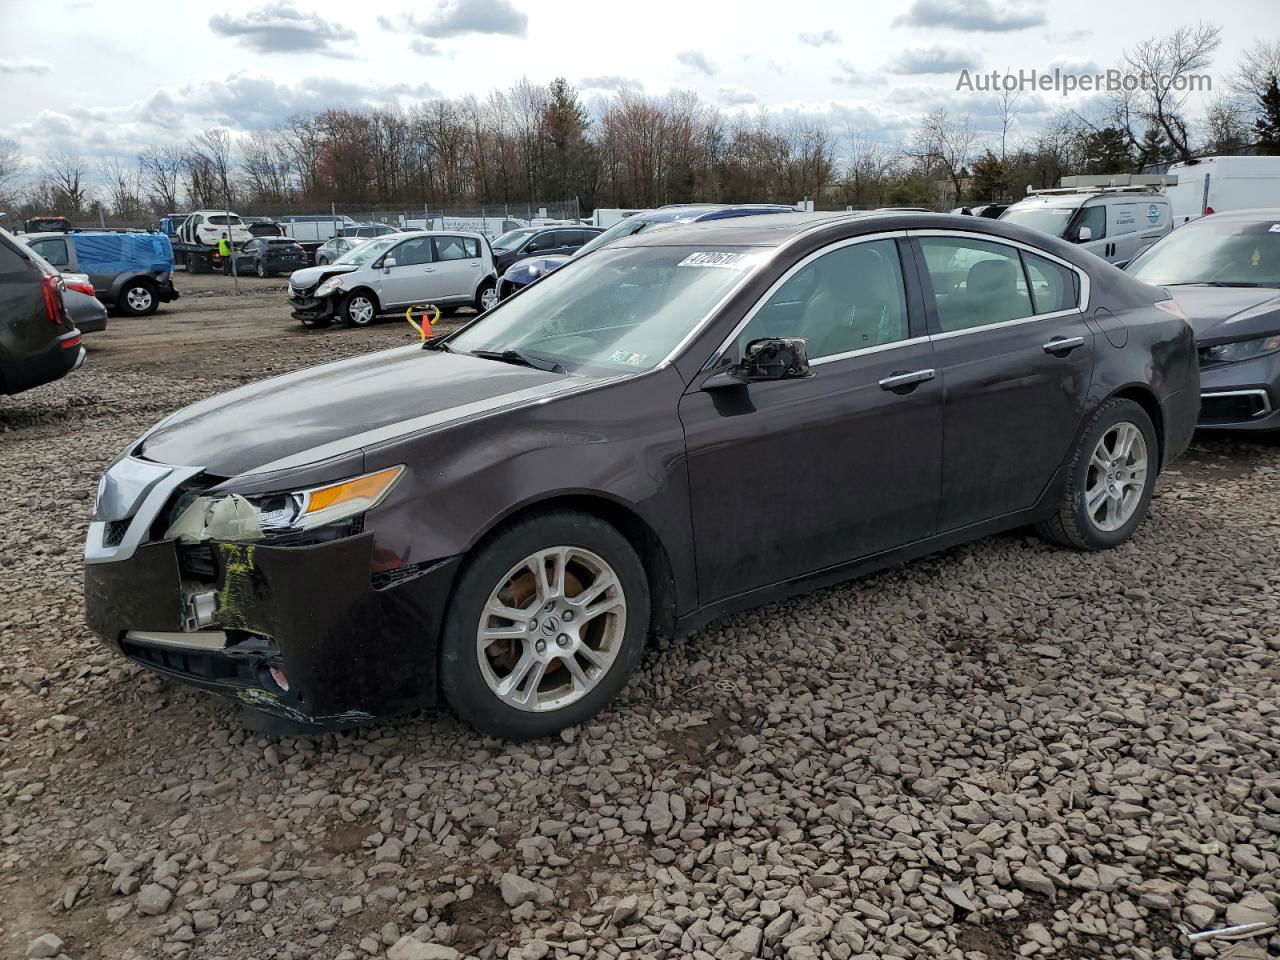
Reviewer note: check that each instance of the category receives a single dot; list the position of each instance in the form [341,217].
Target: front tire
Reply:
[1111,478]
[262,270]
[139,298]
[358,308]
[547,622]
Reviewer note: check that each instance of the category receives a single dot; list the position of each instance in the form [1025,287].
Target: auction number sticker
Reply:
[627,358]
[712,258]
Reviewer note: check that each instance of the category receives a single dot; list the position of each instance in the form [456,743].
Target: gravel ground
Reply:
[1006,750]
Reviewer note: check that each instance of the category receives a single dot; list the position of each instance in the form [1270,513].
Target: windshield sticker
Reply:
[626,358]
[731,261]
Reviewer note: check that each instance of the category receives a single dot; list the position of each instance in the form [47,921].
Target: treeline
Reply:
[536,143]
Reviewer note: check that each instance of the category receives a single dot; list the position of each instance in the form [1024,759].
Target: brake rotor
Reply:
[523,588]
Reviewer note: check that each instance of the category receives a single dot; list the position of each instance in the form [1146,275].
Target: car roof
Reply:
[776,230]
[697,212]
[1252,215]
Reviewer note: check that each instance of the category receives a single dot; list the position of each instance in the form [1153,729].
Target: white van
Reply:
[1219,184]
[1116,223]
[315,228]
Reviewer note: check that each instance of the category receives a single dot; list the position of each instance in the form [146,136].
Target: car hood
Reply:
[1228,313]
[310,276]
[322,412]
[529,269]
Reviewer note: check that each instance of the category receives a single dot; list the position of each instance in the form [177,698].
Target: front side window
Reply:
[620,310]
[412,252]
[975,283]
[1095,218]
[53,250]
[848,299]
[1053,286]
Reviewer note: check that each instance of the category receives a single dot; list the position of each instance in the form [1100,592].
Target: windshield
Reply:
[1050,220]
[1046,219]
[368,250]
[513,238]
[625,228]
[622,311]
[1228,253]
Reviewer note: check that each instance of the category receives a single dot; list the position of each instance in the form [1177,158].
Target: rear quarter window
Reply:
[12,260]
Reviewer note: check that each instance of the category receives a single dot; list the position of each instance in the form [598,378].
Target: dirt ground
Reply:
[1003,751]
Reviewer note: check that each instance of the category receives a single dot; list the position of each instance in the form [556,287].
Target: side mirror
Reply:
[769,358]
[387,264]
[1084,234]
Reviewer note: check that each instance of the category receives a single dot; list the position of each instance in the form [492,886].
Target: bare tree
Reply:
[945,144]
[1258,66]
[124,189]
[870,165]
[161,168]
[1226,124]
[1164,66]
[10,164]
[1007,111]
[67,174]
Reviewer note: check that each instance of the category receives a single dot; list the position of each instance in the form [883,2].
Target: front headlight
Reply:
[329,286]
[1241,349]
[234,517]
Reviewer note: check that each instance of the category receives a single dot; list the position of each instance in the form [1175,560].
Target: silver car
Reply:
[447,269]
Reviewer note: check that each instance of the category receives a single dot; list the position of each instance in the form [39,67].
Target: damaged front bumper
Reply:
[303,634]
[312,308]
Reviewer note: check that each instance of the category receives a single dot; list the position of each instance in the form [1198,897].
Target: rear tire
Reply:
[358,309]
[195,264]
[569,660]
[486,297]
[1110,480]
[139,298]
[263,272]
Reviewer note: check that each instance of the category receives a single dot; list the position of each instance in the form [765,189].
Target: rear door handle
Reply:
[899,381]
[1063,344]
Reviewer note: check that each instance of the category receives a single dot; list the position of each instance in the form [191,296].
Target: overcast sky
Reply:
[85,77]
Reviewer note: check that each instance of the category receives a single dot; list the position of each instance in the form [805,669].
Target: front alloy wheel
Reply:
[551,629]
[547,620]
[139,300]
[487,299]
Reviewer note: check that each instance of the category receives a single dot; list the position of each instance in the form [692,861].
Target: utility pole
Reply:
[235,273]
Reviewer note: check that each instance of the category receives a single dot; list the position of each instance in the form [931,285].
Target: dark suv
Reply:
[539,242]
[38,341]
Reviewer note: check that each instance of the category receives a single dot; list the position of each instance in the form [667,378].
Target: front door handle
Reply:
[1063,344]
[906,382]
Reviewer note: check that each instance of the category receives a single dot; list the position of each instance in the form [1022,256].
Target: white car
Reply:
[447,269]
[206,227]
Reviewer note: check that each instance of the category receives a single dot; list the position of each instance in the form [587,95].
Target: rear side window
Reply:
[456,248]
[53,250]
[11,261]
[975,283]
[1053,286]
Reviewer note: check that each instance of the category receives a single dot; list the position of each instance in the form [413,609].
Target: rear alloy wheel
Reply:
[358,309]
[139,299]
[548,622]
[486,297]
[1113,475]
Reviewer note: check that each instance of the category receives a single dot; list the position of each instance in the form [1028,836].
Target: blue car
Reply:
[132,272]
[519,275]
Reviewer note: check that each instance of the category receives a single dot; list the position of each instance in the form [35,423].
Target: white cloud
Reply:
[696,60]
[455,18]
[24,66]
[281,29]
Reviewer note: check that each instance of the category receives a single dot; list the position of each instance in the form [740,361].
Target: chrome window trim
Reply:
[1256,392]
[1005,323]
[795,268]
[878,348]
[1082,305]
